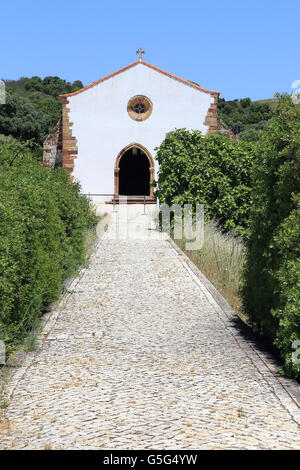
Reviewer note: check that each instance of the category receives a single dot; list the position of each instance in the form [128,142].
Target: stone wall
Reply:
[216,125]
[60,147]
[53,147]
[223,129]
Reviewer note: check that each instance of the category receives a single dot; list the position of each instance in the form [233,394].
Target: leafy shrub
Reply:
[236,127]
[271,275]
[210,170]
[287,244]
[43,219]
[260,125]
[249,135]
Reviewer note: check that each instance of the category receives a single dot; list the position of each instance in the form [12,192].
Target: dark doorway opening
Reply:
[134,176]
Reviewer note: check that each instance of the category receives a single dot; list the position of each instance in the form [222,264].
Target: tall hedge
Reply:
[43,219]
[210,170]
[271,286]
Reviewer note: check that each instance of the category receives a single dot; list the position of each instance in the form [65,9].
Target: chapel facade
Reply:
[109,130]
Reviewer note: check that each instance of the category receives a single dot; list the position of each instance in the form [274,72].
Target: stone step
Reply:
[133,200]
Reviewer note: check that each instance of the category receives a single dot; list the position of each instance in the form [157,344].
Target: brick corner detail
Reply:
[211,119]
[69,142]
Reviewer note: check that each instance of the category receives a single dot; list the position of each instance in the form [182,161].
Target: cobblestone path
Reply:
[140,356]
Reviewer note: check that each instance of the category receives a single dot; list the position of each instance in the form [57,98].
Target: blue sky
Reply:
[241,48]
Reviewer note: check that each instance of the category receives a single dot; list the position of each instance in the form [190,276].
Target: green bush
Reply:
[287,244]
[210,170]
[249,135]
[236,127]
[272,270]
[43,219]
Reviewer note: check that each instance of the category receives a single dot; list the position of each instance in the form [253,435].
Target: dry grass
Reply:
[220,260]
[90,239]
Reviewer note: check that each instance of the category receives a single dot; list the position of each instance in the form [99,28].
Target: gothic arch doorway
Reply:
[134,171]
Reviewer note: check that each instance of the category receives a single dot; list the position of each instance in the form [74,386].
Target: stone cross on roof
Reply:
[141,52]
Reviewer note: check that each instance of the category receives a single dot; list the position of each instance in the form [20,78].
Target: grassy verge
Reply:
[220,260]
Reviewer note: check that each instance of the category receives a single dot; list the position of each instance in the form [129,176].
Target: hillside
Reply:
[33,106]
[272,102]
[246,118]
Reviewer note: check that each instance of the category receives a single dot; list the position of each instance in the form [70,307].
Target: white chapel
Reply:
[109,129]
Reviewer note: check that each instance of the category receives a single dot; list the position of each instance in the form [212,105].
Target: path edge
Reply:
[48,321]
[267,368]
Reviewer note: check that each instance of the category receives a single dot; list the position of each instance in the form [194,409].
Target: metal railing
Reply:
[117,196]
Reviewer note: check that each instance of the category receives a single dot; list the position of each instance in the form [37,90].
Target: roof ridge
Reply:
[187,82]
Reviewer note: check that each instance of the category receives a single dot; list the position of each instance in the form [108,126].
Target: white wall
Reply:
[103,127]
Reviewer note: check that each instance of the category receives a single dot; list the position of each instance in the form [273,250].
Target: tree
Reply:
[245,102]
[33,106]
[210,170]
[20,119]
[77,85]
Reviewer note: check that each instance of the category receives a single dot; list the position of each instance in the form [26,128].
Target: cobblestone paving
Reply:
[138,356]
